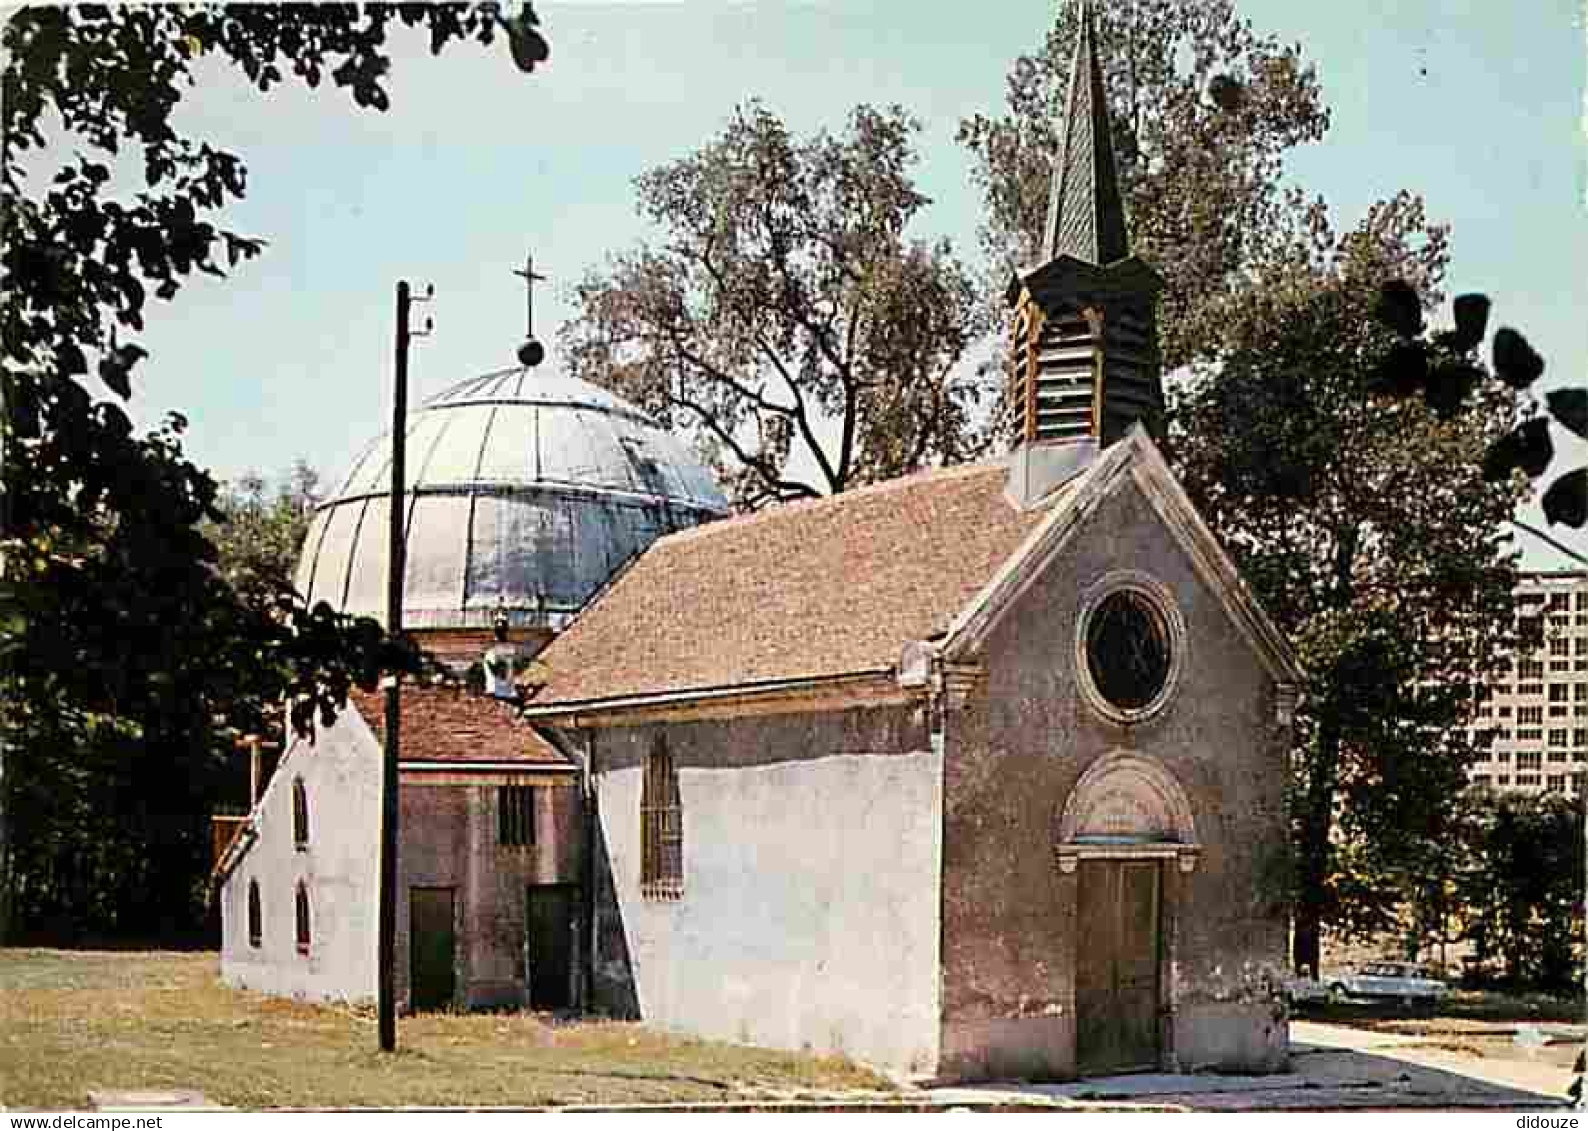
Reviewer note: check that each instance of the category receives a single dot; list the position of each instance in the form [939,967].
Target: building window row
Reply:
[300,815]
[256,925]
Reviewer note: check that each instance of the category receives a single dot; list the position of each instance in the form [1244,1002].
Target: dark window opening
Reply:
[300,814]
[515,815]
[1128,649]
[255,930]
[661,829]
[303,918]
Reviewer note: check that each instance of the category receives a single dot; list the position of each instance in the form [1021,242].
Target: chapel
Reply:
[978,773]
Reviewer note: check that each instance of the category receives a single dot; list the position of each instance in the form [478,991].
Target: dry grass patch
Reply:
[72,1022]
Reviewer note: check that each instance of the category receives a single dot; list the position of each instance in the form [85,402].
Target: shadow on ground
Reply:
[1326,1074]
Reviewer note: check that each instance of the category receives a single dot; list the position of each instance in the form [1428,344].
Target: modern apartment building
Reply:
[1532,720]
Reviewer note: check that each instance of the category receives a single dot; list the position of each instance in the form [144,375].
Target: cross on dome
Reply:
[531,353]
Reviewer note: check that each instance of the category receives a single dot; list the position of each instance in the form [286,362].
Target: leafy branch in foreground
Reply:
[127,659]
[1441,367]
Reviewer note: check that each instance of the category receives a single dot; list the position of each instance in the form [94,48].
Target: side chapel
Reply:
[977,773]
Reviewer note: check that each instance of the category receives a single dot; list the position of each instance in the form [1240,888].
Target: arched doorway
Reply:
[1125,840]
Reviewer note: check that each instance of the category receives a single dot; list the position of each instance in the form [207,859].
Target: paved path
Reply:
[1332,1067]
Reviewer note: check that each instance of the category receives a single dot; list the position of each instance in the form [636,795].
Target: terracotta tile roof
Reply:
[441,724]
[828,587]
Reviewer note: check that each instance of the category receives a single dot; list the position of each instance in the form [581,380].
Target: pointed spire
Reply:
[1086,216]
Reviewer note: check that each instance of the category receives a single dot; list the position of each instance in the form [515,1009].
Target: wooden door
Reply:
[548,949]
[432,948]
[1116,976]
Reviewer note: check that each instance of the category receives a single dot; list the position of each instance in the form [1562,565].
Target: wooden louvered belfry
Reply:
[1085,360]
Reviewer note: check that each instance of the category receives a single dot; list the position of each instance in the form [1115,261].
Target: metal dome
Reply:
[526,491]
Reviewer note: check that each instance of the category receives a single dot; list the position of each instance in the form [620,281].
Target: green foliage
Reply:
[1203,110]
[1364,524]
[1522,883]
[131,656]
[784,294]
[262,531]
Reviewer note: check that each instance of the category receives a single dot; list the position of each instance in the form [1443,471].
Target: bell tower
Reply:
[1084,344]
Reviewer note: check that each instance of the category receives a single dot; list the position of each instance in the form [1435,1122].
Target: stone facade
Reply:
[450,842]
[1013,756]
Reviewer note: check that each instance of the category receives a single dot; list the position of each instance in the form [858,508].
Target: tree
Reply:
[1521,888]
[258,542]
[1203,110]
[786,301]
[126,660]
[1364,523]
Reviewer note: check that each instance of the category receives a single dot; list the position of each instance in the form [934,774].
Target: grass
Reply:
[73,1022]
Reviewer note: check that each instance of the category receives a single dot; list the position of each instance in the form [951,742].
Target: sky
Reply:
[1478,106]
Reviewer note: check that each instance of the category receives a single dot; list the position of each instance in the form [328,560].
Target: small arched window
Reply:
[300,815]
[255,931]
[661,828]
[303,918]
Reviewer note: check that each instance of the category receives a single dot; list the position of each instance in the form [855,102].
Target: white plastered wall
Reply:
[810,912]
[341,776]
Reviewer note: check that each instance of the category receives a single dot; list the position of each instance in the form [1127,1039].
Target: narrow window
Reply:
[303,918]
[515,816]
[661,829]
[255,932]
[300,815]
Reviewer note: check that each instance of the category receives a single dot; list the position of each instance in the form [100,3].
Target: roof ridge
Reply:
[886,486]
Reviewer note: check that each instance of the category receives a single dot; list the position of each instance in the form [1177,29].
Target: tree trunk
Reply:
[1313,852]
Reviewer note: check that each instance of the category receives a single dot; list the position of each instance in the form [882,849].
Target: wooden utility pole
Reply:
[386,956]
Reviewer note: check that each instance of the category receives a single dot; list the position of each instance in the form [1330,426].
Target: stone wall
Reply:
[809,912]
[1013,757]
[449,839]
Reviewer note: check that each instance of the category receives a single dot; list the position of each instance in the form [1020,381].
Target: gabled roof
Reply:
[443,724]
[830,587]
[1136,458]
[839,586]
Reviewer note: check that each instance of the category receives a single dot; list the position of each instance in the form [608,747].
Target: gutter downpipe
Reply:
[592,830]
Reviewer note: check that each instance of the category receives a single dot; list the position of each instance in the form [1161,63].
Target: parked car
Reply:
[1301,988]
[1402,981]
